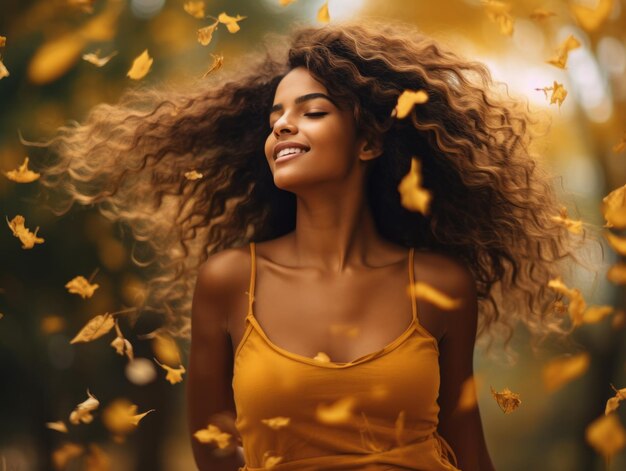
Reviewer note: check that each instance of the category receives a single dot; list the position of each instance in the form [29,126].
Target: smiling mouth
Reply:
[290,155]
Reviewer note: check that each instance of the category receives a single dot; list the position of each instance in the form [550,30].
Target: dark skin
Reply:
[334,268]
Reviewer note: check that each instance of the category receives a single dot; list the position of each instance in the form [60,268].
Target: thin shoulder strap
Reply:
[252,277]
[412,282]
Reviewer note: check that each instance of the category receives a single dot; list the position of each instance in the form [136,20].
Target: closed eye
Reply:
[315,114]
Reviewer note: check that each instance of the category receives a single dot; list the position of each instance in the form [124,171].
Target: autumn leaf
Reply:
[276,423]
[120,417]
[195,9]
[412,195]
[141,66]
[621,145]
[164,347]
[575,227]
[507,400]
[562,53]
[95,328]
[82,412]
[613,208]
[406,101]
[81,286]
[321,356]
[58,426]
[613,403]
[3,70]
[617,273]
[338,412]
[558,93]
[218,61]
[121,345]
[606,435]
[539,14]
[3,41]
[193,175]
[212,433]
[22,174]
[590,19]
[594,314]
[95,59]
[28,239]
[64,454]
[617,243]
[174,375]
[284,3]
[206,34]
[560,371]
[323,15]
[498,12]
[434,296]
[230,21]
[270,461]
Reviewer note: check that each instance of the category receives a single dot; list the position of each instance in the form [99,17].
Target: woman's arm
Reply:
[462,430]
[209,380]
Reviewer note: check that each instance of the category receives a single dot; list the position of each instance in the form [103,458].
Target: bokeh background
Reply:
[43,377]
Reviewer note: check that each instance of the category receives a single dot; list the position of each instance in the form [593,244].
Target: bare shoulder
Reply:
[445,272]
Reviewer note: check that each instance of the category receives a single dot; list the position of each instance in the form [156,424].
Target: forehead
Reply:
[297,82]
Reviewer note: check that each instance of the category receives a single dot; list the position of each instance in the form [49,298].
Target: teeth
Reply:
[289,150]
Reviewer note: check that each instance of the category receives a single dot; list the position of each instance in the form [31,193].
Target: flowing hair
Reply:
[493,203]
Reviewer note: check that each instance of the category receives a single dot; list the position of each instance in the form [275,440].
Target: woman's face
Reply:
[306,115]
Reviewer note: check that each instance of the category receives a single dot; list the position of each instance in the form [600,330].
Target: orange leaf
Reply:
[412,195]
[323,16]
[22,174]
[95,328]
[141,66]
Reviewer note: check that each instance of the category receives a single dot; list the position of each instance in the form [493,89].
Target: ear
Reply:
[369,149]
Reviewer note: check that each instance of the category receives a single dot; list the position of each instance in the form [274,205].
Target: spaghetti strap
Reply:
[411,286]
[252,277]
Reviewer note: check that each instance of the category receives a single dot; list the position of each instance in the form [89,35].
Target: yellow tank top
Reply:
[377,412]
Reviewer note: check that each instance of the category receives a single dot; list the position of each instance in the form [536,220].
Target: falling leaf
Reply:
[621,145]
[120,417]
[399,429]
[212,433]
[28,239]
[270,461]
[59,426]
[591,18]
[498,12]
[141,66]
[3,41]
[560,371]
[276,423]
[617,243]
[95,328]
[338,412]
[284,3]
[22,174]
[82,412]
[174,375]
[577,305]
[606,435]
[3,70]
[121,345]
[323,16]
[507,400]
[594,314]
[206,34]
[165,348]
[468,397]
[80,285]
[613,208]
[95,59]
[412,195]
[434,296]
[558,93]
[193,175]
[539,14]
[218,61]
[230,21]
[617,273]
[613,403]
[575,227]
[64,454]
[55,57]
[321,356]
[562,53]
[406,101]
[195,9]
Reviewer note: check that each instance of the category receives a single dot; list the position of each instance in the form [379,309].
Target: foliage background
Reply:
[43,377]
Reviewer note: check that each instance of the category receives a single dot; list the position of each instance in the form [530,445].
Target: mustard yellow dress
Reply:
[377,412]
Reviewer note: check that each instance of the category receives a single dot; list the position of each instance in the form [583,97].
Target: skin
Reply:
[335,253]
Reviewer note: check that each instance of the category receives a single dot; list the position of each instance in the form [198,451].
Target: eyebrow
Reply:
[303,98]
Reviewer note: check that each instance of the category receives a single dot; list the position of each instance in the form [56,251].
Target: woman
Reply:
[334,366]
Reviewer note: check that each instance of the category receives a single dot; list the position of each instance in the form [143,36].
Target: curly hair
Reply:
[493,202]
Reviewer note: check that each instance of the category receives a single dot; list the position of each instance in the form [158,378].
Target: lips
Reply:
[286,144]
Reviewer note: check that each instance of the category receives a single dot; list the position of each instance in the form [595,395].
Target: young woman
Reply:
[309,343]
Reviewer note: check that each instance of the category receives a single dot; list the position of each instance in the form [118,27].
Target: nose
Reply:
[283,126]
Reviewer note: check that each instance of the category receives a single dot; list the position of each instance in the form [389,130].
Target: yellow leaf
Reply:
[558,93]
[560,371]
[270,461]
[212,433]
[617,243]
[230,21]
[284,3]
[22,174]
[276,423]
[95,59]
[141,66]
[206,34]
[617,273]
[121,345]
[165,349]
[55,57]
[606,435]
[120,416]
[95,328]
[3,70]
[193,175]
[195,9]
[218,61]
[3,41]
[82,412]
[595,314]
[498,12]
[434,296]
[575,227]
[174,375]
[28,239]
[323,16]
[64,454]
[338,412]
[321,356]
[591,18]
[412,195]
[613,208]
[407,100]
[539,14]
[79,285]
[613,403]
[59,426]
[507,400]
[562,53]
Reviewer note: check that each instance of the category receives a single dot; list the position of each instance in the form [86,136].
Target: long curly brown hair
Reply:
[493,202]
